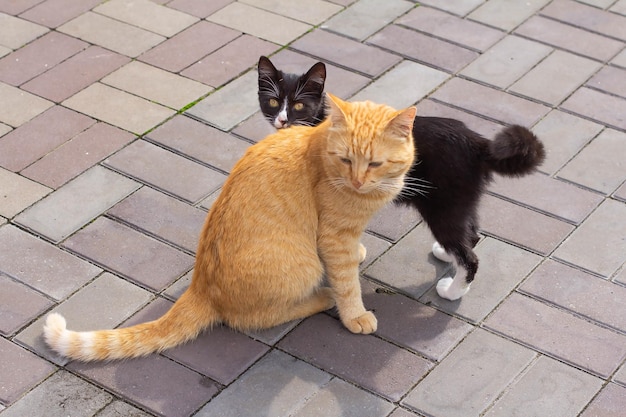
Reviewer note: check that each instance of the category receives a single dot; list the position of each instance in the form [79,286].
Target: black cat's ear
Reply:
[336,113]
[266,68]
[316,74]
[402,123]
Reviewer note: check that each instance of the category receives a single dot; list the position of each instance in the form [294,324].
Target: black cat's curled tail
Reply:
[515,152]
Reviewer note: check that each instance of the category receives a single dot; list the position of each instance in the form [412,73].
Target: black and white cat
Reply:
[288,99]
[452,168]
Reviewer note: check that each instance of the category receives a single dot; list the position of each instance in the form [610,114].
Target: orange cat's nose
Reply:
[357,184]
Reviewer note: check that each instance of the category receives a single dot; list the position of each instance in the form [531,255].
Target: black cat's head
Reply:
[289,99]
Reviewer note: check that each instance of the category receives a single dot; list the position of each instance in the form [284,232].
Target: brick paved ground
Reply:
[120,120]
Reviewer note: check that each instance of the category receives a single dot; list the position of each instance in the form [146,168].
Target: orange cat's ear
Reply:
[402,123]
[335,107]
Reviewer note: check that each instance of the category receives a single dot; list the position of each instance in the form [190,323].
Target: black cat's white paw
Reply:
[440,253]
[450,289]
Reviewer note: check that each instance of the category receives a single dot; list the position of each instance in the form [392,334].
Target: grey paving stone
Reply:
[609,79]
[272,336]
[120,409]
[570,38]
[409,265]
[620,194]
[200,142]
[621,276]
[412,324]
[548,388]
[511,222]
[620,376]
[102,304]
[458,7]
[189,46]
[230,105]
[18,193]
[20,305]
[574,290]
[78,154]
[18,107]
[47,268]
[394,221]
[61,395]
[155,383]
[265,25]
[549,195]
[177,289]
[161,216]
[183,178]
[366,17]
[494,65]
[20,370]
[122,250]
[620,59]
[313,12]
[388,371]
[590,18]
[555,78]
[346,52]
[277,385]
[504,14]
[423,48]
[17,32]
[198,8]
[77,203]
[420,80]
[603,154]
[502,267]
[443,25]
[255,128]
[341,399]
[598,245]
[563,136]
[609,403]
[489,102]
[375,247]
[75,73]
[548,330]
[488,361]
[54,13]
[606,109]
[25,145]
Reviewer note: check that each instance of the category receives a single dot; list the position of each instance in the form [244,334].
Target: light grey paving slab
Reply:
[505,14]
[559,334]
[555,78]
[18,193]
[494,65]
[419,81]
[409,265]
[620,59]
[18,106]
[260,23]
[61,395]
[598,245]
[16,32]
[502,267]
[366,17]
[118,408]
[610,402]
[46,268]
[19,305]
[488,361]
[103,304]
[313,12]
[277,385]
[147,15]
[75,204]
[600,165]
[563,136]
[548,388]
[230,105]
[458,7]
[341,399]
[620,376]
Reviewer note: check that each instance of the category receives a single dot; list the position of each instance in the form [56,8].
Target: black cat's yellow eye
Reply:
[298,106]
[346,161]
[273,102]
[375,164]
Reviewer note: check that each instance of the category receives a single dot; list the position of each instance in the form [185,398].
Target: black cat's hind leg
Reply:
[466,264]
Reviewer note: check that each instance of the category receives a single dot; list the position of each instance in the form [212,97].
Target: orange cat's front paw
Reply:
[366,323]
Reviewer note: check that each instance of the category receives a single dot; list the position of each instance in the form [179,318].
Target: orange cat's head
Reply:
[370,146]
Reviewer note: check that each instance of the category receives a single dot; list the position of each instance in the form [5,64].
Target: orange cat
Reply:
[293,208]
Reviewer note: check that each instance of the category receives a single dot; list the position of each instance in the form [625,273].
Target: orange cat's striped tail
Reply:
[183,322]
